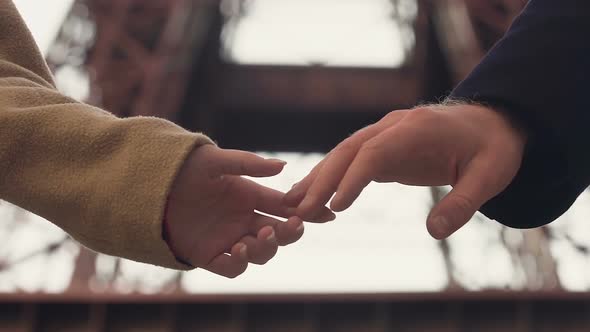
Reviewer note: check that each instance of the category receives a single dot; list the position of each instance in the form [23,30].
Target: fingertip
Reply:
[240,251]
[267,233]
[230,266]
[338,204]
[325,216]
[300,229]
[260,167]
[261,248]
[293,197]
[271,170]
[331,215]
[277,161]
[290,231]
[439,227]
[295,223]
[238,271]
[312,211]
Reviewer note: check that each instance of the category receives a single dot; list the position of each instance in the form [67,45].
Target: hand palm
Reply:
[226,207]
[213,212]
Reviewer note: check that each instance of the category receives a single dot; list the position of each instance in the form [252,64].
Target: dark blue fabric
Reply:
[539,74]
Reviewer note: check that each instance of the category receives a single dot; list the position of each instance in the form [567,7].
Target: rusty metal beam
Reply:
[315,88]
[141,54]
[365,316]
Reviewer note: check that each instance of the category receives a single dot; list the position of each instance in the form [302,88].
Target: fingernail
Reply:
[271,237]
[244,251]
[294,185]
[280,161]
[442,226]
[300,228]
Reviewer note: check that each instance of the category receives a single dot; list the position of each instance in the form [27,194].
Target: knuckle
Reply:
[243,168]
[389,115]
[422,114]
[370,148]
[394,115]
[346,145]
[464,203]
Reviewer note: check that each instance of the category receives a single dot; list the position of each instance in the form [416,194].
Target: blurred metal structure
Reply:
[140,53]
[491,18]
[164,58]
[467,29]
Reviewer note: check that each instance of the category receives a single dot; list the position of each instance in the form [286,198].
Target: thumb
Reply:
[475,187]
[234,162]
[450,214]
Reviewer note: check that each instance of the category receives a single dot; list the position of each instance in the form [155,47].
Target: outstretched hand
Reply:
[219,221]
[472,148]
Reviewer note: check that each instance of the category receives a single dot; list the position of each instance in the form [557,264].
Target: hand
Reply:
[472,148]
[212,222]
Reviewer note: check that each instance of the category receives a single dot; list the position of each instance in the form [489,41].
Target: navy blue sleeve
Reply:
[539,75]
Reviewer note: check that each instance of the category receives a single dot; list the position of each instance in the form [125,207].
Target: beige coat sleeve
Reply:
[102,179]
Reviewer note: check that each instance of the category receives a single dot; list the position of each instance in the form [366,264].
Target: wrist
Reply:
[498,117]
[166,231]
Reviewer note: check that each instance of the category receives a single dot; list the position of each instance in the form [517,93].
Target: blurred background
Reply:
[290,79]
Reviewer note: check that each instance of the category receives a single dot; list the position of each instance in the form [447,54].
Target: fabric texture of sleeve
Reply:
[539,75]
[102,179]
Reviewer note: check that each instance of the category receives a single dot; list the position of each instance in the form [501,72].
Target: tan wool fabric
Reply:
[102,179]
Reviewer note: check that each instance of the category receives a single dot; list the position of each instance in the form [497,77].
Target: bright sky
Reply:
[330,32]
[44,18]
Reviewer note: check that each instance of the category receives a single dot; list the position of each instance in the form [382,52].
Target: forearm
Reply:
[537,74]
[104,180]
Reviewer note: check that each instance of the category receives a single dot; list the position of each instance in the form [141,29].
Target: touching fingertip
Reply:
[307,204]
[336,205]
[292,198]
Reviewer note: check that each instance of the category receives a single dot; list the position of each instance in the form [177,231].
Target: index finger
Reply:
[294,196]
[361,172]
[329,176]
